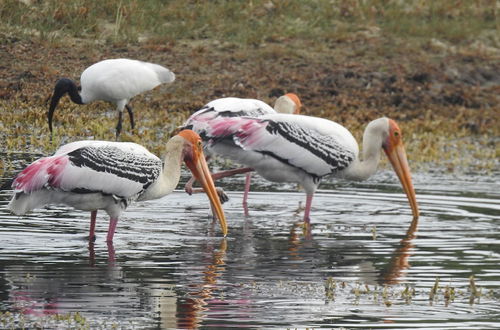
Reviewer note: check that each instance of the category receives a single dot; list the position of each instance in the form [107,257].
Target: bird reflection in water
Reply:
[302,245]
[294,240]
[111,253]
[192,310]
[399,262]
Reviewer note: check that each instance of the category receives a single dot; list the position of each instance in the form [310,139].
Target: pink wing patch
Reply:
[246,132]
[224,126]
[251,133]
[45,171]
[241,127]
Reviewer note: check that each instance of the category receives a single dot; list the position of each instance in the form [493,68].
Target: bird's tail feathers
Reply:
[45,171]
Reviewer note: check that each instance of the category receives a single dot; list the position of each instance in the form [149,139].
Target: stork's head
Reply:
[63,86]
[395,151]
[194,158]
[288,103]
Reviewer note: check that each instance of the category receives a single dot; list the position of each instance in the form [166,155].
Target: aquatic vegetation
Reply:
[20,320]
[434,290]
[391,294]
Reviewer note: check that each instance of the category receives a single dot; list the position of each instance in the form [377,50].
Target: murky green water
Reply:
[364,264]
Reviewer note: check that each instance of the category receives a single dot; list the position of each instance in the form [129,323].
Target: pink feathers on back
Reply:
[45,171]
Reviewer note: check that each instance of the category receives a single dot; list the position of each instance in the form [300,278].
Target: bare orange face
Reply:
[395,137]
[295,100]
[194,149]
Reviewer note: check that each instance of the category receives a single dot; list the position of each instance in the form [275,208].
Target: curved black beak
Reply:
[63,86]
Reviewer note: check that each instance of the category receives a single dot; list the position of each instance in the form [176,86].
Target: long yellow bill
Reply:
[195,160]
[397,157]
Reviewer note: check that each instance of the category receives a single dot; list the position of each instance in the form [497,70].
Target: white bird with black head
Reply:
[112,80]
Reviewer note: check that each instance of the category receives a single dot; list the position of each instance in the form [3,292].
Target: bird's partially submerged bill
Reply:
[397,157]
[202,174]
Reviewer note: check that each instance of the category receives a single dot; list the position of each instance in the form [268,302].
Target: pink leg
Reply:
[216,176]
[93,215]
[223,174]
[111,229]
[307,211]
[91,254]
[188,187]
[111,253]
[247,187]
[248,178]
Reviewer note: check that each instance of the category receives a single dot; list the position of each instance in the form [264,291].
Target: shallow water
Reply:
[363,264]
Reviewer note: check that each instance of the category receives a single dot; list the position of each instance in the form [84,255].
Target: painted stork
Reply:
[303,149]
[113,80]
[102,175]
[239,107]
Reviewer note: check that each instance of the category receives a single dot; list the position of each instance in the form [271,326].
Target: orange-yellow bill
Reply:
[199,168]
[397,156]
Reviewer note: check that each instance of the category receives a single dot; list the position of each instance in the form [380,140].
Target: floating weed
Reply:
[374,232]
[29,277]
[355,293]
[385,292]
[408,293]
[449,295]
[474,291]
[15,320]
[330,287]
[472,285]
[434,290]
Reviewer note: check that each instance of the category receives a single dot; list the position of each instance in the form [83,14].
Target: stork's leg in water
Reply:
[93,216]
[248,178]
[111,253]
[111,229]
[307,211]
[91,253]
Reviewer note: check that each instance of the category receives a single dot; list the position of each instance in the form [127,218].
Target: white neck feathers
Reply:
[171,172]
[374,136]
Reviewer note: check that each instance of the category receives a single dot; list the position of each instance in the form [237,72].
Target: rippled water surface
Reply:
[364,263]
